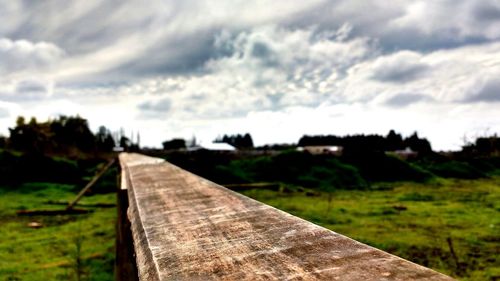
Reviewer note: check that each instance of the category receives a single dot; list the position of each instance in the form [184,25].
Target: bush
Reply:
[377,166]
[455,169]
[296,168]
[19,168]
[333,174]
[489,166]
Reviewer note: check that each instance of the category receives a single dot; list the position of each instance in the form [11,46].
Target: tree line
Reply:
[63,135]
[239,141]
[483,146]
[391,142]
[356,144]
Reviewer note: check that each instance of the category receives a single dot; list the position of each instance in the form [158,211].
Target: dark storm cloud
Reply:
[399,67]
[487,11]
[236,58]
[184,54]
[265,54]
[403,100]
[79,27]
[411,38]
[26,91]
[28,86]
[490,92]
[153,46]
[160,106]
[395,73]
[419,26]
[177,37]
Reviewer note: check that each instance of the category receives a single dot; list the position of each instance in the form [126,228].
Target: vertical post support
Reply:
[125,265]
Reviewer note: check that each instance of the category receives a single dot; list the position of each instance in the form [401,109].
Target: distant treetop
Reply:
[65,134]
[239,141]
[359,143]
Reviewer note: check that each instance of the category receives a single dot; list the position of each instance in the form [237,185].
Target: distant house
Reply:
[403,154]
[322,149]
[118,149]
[213,146]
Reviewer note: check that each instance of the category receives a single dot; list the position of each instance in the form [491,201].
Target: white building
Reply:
[322,149]
[214,146]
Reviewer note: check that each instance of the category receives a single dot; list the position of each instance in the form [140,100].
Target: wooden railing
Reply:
[184,227]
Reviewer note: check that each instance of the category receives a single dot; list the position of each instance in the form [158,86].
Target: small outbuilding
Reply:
[213,146]
[404,154]
[322,149]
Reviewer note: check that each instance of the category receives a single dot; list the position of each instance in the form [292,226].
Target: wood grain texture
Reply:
[188,228]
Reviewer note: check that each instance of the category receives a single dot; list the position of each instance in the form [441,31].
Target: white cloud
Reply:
[25,69]
[446,76]
[23,55]
[200,67]
[4,112]
[277,70]
[267,68]
[455,20]
[275,67]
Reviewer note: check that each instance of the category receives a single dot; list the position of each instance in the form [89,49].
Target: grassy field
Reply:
[413,220]
[65,246]
[450,225]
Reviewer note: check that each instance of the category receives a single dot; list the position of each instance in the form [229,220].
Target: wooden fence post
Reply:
[125,265]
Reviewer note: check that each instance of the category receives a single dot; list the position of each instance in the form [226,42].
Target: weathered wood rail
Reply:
[187,228]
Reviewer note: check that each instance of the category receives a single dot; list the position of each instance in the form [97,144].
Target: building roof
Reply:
[221,146]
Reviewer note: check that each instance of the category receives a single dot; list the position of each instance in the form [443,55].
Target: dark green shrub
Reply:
[377,166]
[455,169]
[490,166]
[296,168]
[19,168]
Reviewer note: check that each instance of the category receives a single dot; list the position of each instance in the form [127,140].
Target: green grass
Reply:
[50,252]
[413,221]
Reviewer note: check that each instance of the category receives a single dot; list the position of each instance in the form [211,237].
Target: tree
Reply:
[64,134]
[78,130]
[109,142]
[3,141]
[20,121]
[104,139]
[417,144]
[394,141]
[487,145]
[238,141]
[192,142]
[31,137]
[73,132]
[125,142]
[174,144]
[247,141]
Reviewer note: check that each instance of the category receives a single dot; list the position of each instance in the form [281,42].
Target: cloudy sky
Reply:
[276,69]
